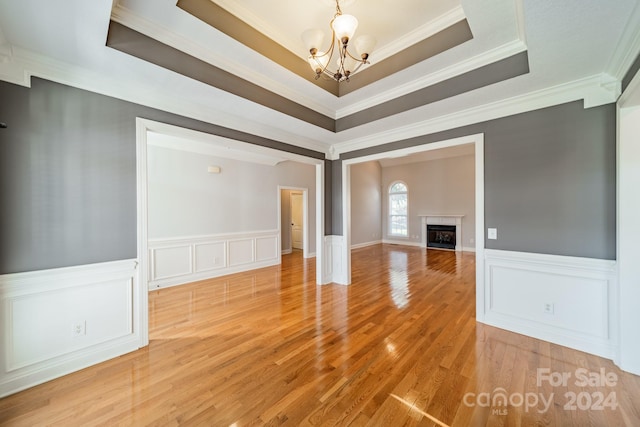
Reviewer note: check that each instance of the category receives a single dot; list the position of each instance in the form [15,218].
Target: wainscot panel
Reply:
[61,320]
[334,246]
[177,261]
[566,300]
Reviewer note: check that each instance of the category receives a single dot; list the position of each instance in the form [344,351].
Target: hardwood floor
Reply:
[400,346]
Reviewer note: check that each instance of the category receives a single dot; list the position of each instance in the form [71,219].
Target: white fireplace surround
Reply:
[440,219]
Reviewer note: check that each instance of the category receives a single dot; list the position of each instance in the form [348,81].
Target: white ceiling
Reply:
[578,49]
[285,20]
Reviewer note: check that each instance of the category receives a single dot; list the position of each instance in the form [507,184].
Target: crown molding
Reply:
[127,17]
[608,90]
[485,58]
[628,48]
[595,90]
[332,154]
[26,64]
[520,22]
[425,31]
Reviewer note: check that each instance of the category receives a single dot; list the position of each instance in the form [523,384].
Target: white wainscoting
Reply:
[182,260]
[62,320]
[334,268]
[581,294]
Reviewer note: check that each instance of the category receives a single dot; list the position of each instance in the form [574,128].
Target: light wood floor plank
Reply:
[399,347]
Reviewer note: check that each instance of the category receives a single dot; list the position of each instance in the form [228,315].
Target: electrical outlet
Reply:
[79,328]
[472,240]
[548,308]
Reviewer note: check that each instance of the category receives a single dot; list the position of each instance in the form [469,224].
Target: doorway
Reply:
[478,141]
[297,221]
[293,219]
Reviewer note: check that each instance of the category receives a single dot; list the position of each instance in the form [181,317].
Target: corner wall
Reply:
[366,204]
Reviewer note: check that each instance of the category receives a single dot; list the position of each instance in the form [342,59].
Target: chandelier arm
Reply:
[328,54]
[341,71]
[360,60]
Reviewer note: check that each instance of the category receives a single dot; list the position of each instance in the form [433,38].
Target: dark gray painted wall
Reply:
[631,72]
[328,201]
[336,193]
[550,179]
[68,174]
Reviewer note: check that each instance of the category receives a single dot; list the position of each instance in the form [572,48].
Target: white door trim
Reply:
[628,228]
[306,253]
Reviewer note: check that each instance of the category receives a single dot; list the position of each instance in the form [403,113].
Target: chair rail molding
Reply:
[176,261]
[569,301]
[62,320]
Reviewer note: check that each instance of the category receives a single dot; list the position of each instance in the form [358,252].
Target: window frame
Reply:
[390,215]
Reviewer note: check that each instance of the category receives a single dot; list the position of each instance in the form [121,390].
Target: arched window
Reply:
[398,224]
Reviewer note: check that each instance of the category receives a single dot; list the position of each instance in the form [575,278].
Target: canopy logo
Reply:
[499,400]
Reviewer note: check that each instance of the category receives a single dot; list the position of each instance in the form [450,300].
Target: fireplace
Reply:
[447,231]
[441,236]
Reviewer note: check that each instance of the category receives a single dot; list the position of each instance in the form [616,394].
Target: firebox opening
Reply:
[441,236]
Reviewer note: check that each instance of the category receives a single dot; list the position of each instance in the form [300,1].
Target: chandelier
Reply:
[343,27]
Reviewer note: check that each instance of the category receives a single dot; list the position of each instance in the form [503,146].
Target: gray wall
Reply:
[67,177]
[336,202]
[442,186]
[67,174]
[550,179]
[366,202]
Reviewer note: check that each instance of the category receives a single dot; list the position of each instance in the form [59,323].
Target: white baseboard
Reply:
[582,294]
[402,242]
[365,244]
[177,261]
[100,300]
[415,244]
[286,251]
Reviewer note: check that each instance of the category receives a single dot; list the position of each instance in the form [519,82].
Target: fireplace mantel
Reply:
[442,219]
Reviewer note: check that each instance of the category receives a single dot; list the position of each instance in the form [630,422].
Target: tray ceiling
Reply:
[521,55]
